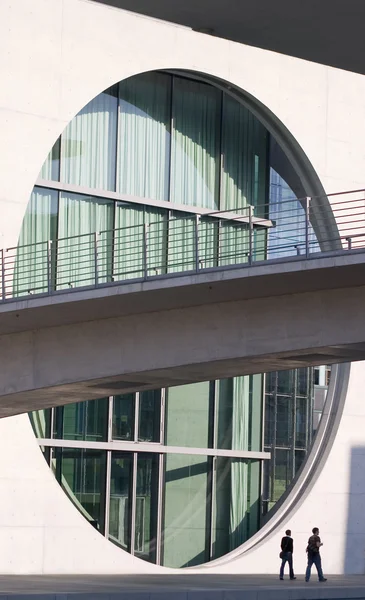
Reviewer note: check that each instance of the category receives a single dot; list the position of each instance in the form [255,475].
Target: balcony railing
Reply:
[289,230]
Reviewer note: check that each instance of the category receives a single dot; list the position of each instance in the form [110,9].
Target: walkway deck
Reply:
[179,587]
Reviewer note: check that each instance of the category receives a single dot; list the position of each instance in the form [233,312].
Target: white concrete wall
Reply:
[55,55]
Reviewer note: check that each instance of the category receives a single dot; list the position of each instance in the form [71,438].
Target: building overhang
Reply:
[328,32]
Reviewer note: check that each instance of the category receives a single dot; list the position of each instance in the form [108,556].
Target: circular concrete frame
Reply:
[312,187]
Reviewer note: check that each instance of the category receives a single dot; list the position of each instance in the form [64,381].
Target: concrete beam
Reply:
[187,338]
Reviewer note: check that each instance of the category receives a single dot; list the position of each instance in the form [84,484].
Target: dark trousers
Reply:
[287,557]
[315,559]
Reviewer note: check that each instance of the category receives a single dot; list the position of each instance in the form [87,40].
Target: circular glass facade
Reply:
[177,476]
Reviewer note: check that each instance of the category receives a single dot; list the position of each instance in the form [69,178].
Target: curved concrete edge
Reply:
[42,532]
[333,502]
[311,471]
[40,529]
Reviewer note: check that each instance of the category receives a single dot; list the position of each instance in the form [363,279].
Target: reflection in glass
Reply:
[146,506]
[149,416]
[123,417]
[239,410]
[187,502]
[236,503]
[121,499]
[81,474]
[188,415]
[82,421]
[283,473]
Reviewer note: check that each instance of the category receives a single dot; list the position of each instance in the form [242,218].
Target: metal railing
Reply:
[288,230]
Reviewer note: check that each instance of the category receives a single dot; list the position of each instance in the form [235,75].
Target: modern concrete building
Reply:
[167,150]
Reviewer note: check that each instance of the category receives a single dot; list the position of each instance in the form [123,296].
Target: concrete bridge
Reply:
[91,343]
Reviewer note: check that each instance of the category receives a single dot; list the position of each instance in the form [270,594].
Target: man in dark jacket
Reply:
[286,554]
[314,556]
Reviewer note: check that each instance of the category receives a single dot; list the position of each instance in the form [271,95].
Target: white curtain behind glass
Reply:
[238,156]
[195,144]
[240,468]
[81,216]
[129,241]
[39,226]
[88,145]
[144,136]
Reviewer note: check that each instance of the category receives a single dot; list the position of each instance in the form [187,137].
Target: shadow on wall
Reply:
[354,556]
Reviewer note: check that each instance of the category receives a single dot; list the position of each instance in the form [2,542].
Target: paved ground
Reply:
[179,587]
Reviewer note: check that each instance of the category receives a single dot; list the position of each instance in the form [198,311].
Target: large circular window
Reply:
[184,475]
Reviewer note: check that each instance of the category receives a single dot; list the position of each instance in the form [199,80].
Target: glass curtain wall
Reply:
[163,143]
[159,137]
[182,503]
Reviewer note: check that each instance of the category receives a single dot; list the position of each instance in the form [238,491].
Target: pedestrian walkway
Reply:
[182,586]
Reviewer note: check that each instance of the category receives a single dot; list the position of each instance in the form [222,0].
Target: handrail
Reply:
[185,244]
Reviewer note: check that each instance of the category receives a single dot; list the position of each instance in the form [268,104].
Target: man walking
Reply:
[314,556]
[286,554]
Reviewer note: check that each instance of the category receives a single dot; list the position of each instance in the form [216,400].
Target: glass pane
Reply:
[120,499]
[149,416]
[208,242]
[282,475]
[82,476]
[244,149]
[188,415]
[299,459]
[88,147]
[236,503]
[196,111]
[157,233]
[239,413]
[128,260]
[285,382]
[303,376]
[301,422]
[270,419]
[146,506]
[187,509]
[284,421]
[51,166]
[233,243]
[129,250]
[86,421]
[123,417]
[39,225]
[224,412]
[41,422]
[181,242]
[144,136]
[79,218]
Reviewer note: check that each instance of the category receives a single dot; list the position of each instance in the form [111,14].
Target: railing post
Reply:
[196,239]
[3,292]
[144,251]
[49,266]
[307,223]
[349,243]
[250,234]
[96,271]
[219,244]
